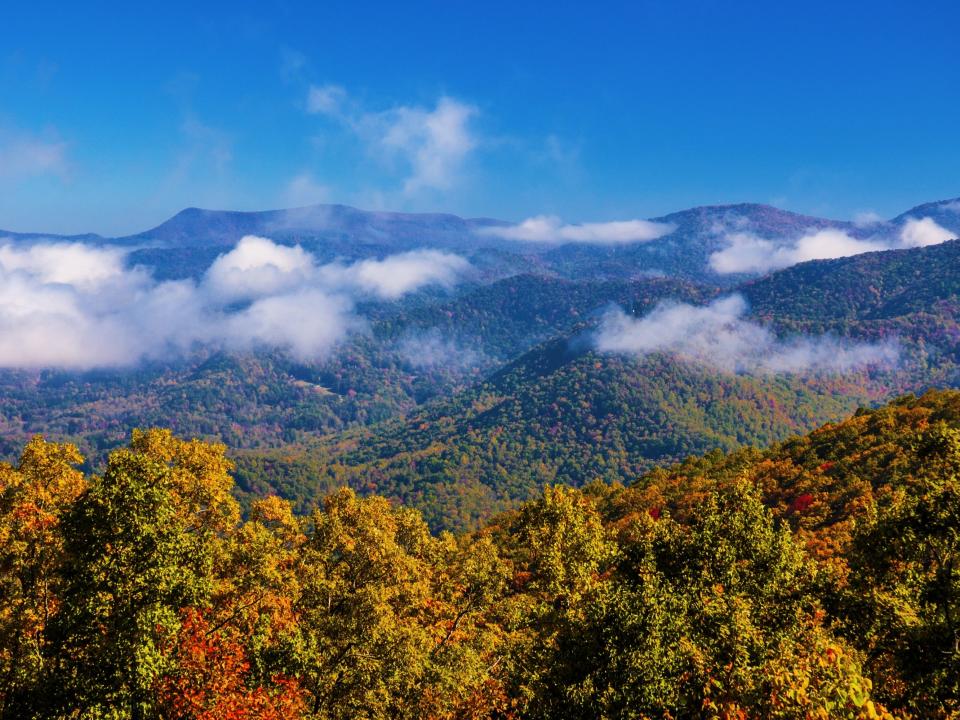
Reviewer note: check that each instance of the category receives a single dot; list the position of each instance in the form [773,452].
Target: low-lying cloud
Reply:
[64,263]
[257,267]
[72,305]
[923,232]
[748,253]
[550,229]
[718,335]
[397,275]
[430,349]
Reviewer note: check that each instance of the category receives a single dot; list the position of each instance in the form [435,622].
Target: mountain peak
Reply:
[949,209]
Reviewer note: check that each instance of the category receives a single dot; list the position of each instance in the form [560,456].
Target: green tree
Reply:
[904,598]
[134,560]
[690,620]
[361,647]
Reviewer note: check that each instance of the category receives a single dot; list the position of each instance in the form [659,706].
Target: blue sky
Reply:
[113,116]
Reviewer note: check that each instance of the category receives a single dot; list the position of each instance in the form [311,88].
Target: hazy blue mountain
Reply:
[185,244]
[194,226]
[945,213]
[29,237]
[492,389]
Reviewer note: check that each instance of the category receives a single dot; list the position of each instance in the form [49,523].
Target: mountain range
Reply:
[550,361]
[184,245]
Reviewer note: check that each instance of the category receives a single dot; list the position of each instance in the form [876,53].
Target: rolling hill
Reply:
[564,412]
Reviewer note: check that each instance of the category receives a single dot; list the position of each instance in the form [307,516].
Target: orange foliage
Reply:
[210,683]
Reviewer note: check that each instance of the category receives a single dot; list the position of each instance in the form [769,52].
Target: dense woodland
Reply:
[817,579]
[465,405]
[562,412]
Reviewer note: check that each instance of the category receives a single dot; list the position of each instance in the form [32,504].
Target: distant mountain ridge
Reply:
[192,238]
[227,226]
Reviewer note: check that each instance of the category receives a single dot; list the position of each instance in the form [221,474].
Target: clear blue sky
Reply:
[115,115]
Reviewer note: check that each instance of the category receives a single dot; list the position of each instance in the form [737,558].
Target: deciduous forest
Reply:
[818,578]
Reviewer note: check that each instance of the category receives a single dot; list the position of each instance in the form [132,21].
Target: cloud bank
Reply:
[718,336]
[551,229]
[71,305]
[748,253]
[397,275]
[923,232]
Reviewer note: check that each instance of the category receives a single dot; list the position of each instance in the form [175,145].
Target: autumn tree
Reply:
[360,646]
[140,545]
[691,618]
[35,495]
[904,600]
[209,679]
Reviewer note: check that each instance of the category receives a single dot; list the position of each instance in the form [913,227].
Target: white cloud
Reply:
[23,156]
[73,305]
[551,229]
[717,335]
[952,205]
[923,232]
[64,263]
[430,144]
[325,99]
[433,143]
[257,267]
[55,314]
[48,326]
[748,253]
[307,322]
[399,274]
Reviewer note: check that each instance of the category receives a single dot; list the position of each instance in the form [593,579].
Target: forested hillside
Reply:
[565,412]
[464,399]
[428,346]
[813,579]
[872,286]
[593,418]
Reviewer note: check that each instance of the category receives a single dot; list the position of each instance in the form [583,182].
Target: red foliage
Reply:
[655,513]
[801,503]
[521,578]
[210,680]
